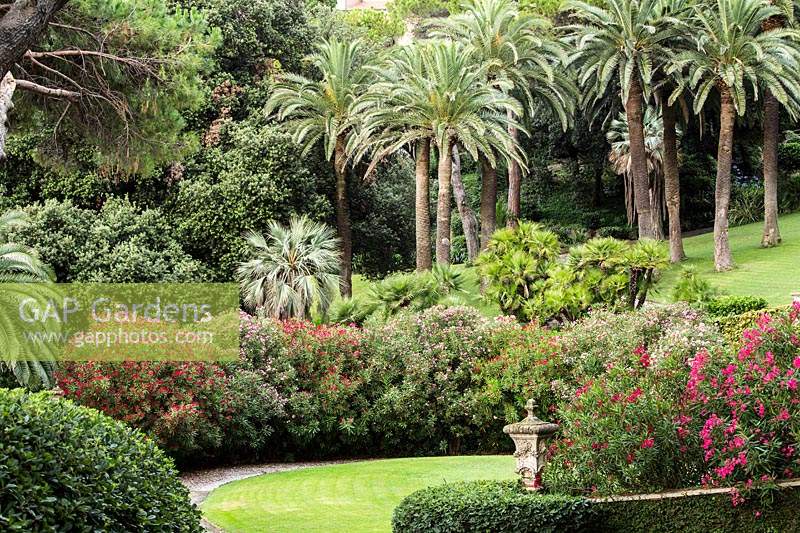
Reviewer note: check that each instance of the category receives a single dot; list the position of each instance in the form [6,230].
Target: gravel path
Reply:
[202,482]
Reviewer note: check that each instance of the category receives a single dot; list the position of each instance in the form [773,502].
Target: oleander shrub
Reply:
[746,405]
[733,326]
[64,467]
[490,506]
[426,364]
[195,411]
[724,306]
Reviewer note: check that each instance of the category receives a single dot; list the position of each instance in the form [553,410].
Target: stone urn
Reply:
[530,437]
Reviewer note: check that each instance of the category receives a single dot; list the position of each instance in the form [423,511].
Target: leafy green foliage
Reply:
[528,280]
[692,288]
[724,306]
[490,506]
[291,270]
[251,177]
[120,244]
[141,68]
[76,468]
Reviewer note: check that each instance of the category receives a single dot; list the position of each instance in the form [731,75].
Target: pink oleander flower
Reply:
[648,443]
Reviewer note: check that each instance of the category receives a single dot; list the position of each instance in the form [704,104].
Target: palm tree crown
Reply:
[291,269]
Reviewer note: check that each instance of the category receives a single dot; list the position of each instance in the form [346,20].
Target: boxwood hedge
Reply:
[485,506]
[490,506]
[69,468]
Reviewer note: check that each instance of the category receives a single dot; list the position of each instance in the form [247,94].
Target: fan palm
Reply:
[519,50]
[620,158]
[623,40]
[437,92]
[321,112]
[291,269]
[732,55]
[19,264]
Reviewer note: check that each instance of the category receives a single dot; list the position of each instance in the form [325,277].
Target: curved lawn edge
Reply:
[343,497]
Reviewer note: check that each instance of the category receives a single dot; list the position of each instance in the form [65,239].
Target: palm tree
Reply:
[291,269]
[623,40]
[620,157]
[20,265]
[771,131]
[321,111]
[522,55]
[731,54]
[437,92]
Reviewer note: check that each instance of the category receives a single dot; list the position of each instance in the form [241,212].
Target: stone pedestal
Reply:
[530,437]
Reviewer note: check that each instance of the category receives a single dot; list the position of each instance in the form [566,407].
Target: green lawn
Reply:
[773,273]
[352,497]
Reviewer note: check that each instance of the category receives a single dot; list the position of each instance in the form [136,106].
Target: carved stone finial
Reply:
[530,437]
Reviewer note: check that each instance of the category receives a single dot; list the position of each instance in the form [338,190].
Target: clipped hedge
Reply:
[701,514]
[733,326]
[723,306]
[69,468]
[481,506]
[490,506]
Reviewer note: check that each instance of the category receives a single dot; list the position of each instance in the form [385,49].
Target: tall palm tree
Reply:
[437,91]
[620,157]
[623,40]
[291,269]
[529,61]
[20,265]
[321,111]
[731,55]
[771,133]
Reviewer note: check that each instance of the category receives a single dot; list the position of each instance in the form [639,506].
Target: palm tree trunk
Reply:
[639,177]
[443,204]
[343,219]
[722,195]
[514,183]
[772,235]
[672,183]
[468,219]
[488,201]
[7,87]
[423,206]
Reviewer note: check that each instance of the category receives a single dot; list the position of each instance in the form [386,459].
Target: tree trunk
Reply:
[423,206]
[343,220]
[514,183]
[639,176]
[21,26]
[672,189]
[722,195]
[468,219]
[488,202]
[7,87]
[443,205]
[772,235]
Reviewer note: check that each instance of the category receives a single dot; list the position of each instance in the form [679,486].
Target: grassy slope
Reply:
[352,497]
[773,273]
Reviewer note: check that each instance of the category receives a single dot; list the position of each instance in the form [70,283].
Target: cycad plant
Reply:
[320,112]
[620,157]
[20,265]
[522,51]
[733,56]
[623,40]
[291,269]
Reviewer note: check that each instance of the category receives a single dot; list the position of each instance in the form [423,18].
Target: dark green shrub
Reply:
[490,506]
[618,232]
[69,468]
[701,514]
[724,306]
[118,244]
